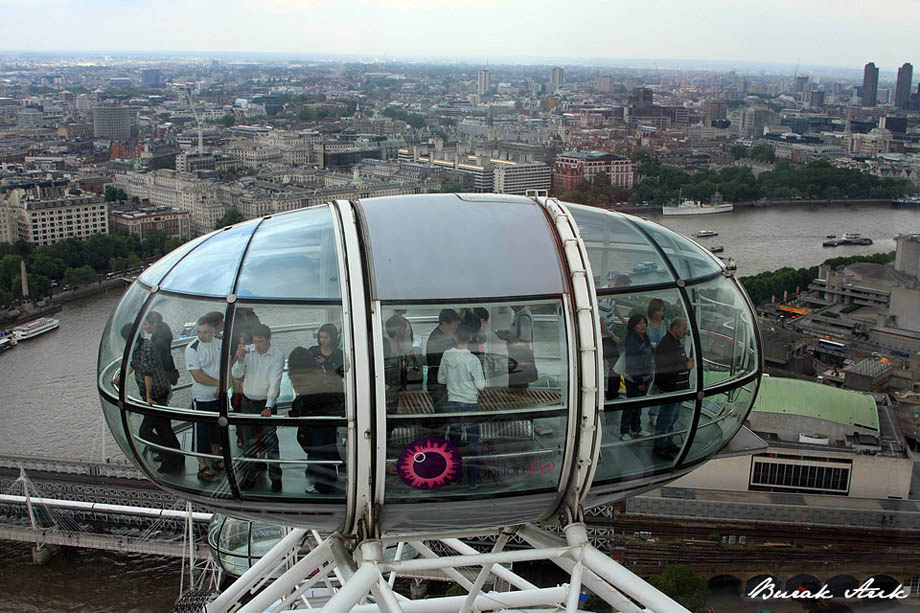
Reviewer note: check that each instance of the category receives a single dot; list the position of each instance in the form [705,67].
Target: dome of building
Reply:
[428,363]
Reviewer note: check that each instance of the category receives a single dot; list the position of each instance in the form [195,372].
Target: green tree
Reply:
[739,152]
[173,242]
[9,270]
[153,243]
[80,276]
[763,153]
[230,217]
[6,296]
[681,583]
[227,120]
[113,193]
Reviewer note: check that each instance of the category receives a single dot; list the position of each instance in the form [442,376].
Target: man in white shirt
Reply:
[260,368]
[202,360]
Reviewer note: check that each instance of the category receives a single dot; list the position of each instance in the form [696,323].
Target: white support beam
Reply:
[609,594]
[499,571]
[475,560]
[491,601]
[255,573]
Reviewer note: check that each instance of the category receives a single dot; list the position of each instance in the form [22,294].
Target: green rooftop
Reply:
[807,399]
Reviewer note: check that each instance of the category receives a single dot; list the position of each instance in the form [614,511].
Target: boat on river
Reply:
[705,233]
[910,202]
[717,249]
[34,328]
[849,238]
[695,207]
[7,342]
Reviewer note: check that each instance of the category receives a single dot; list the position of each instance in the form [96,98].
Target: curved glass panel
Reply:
[156,271]
[439,246]
[721,417]
[112,344]
[211,271]
[620,255]
[476,398]
[726,330]
[287,400]
[690,260]
[187,353]
[167,448]
[113,420]
[656,449]
[648,352]
[292,255]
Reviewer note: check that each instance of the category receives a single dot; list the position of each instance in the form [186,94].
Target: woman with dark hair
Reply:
[638,374]
[156,373]
[318,393]
[326,353]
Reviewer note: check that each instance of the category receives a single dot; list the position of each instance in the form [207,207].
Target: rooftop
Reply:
[807,399]
[593,155]
[870,367]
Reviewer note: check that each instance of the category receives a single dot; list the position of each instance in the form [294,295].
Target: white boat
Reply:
[34,328]
[7,342]
[695,207]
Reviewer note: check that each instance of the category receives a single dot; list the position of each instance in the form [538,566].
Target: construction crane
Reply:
[191,106]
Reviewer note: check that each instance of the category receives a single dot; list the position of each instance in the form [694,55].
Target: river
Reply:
[50,406]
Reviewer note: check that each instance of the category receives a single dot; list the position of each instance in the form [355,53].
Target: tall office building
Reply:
[112,121]
[902,89]
[870,85]
[485,81]
[557,78]
[800,84]
[151,77]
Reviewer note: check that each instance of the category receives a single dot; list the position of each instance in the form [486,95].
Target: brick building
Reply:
[575,166]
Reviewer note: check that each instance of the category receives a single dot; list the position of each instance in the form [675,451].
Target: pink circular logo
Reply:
[429,463]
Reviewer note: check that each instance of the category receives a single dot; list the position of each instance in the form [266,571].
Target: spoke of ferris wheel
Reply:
[499,571]
[265,565]
[281,587]
[453,573]
[483,574]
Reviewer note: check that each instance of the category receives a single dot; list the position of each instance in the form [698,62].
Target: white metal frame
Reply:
[354,303]
[361,571]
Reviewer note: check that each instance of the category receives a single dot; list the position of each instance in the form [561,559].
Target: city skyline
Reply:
[790,33]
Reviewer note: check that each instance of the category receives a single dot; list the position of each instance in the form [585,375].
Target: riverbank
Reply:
[48,306]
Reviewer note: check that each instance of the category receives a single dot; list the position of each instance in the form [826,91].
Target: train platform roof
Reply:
[807,399]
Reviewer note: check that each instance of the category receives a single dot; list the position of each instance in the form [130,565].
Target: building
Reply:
[816,99]
[800,83]
[180,190]
[821,440]
[877,141]
[192,161]
[557,78]
[903,88]
[47,221]
[29,117]
[517,178]
[713,111]
[575,166]
[151,77]
[870,85]
[112,121]
[484,82]
[139,221]
[76,130]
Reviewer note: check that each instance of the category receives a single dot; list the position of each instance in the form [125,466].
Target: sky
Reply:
[843,33]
